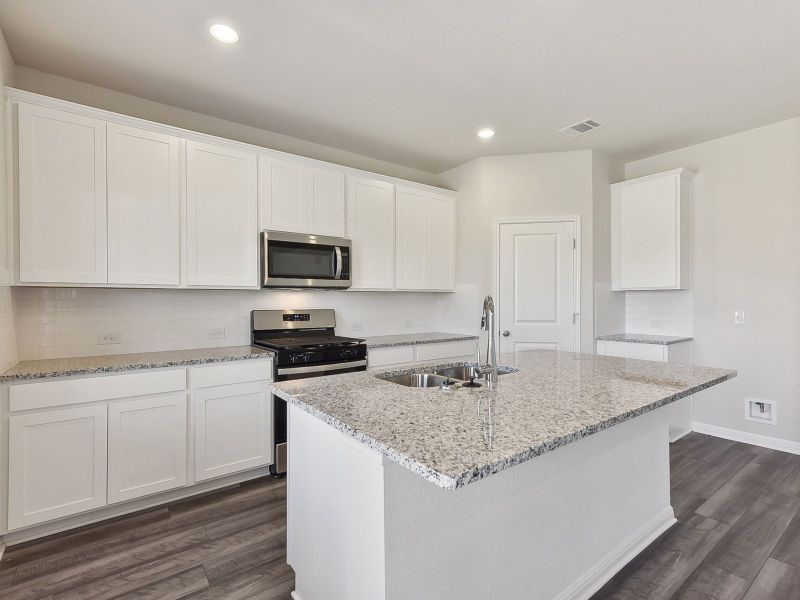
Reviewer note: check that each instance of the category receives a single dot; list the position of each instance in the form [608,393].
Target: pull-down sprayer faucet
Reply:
[489,369]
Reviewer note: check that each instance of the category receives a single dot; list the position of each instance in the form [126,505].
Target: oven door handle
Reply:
[338,274]
[317,368]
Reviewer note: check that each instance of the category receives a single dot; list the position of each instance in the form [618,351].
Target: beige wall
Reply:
[745,256]
[8,344]
[99,97]
[524,185]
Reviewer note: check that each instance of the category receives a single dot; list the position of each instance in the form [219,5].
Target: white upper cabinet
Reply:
[301,199]
[326,202]
[62,196]
[650,232]
[143,206]
[221,216]
[425,240]
[282,195]
[370,226]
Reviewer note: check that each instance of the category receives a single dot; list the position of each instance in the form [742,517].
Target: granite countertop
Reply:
[88,365]
[411,339]
[645,338]
[554,398]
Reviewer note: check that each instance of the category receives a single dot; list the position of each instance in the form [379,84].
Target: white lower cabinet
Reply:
[146,446]
[78,444]
[57,464]
[232,429]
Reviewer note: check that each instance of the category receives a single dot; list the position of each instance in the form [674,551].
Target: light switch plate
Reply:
[738,317]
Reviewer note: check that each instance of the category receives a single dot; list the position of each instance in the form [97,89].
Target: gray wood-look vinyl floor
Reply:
[226,545]
[738,530]
[737,537]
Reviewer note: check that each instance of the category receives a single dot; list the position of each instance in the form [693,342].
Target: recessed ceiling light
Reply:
[485,133]
[224,33]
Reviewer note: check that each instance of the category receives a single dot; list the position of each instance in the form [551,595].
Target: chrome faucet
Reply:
[489,369]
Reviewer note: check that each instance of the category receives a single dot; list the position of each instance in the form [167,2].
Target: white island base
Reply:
[362,527]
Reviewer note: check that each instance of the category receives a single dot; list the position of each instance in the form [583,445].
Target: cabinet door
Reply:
[645,229]
[143,206]
[326,202]
[441,243]
[62,197]
[282,193]
[370,226]
[57,464]
[146,446]
[232,429]
[413,231]
[222,216]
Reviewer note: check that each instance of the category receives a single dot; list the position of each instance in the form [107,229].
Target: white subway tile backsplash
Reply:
[659,312]
[55,323]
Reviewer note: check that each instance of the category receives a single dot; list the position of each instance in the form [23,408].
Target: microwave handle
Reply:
[338,274]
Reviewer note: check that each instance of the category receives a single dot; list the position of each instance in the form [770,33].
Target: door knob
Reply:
[506,333]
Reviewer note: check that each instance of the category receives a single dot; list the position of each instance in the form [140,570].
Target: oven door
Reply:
[291,260]
[279,405]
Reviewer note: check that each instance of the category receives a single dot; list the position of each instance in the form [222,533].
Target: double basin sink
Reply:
[444,376]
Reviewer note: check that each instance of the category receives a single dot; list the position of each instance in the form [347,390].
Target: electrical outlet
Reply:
[109,338]
[357,326]
[657,324]
[738,317]
[217,333]
[408,324]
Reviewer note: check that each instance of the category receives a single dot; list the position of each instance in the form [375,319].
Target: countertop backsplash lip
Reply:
[115,363]
[415,339]
[645,338]
[443,445]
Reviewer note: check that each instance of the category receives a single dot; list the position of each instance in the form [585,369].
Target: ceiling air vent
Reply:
[580,127]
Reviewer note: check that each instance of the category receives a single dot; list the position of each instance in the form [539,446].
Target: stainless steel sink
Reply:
[460,373]
[418,380]
[466,372]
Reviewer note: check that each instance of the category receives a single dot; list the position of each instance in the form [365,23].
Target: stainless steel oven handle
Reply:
[318,368]
[338,274]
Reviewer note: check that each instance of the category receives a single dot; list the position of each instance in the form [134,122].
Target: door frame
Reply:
[576,300]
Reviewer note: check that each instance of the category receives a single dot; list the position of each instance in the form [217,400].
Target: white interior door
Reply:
[537,300]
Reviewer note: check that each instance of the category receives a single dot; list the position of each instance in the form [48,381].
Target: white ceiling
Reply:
[410,81]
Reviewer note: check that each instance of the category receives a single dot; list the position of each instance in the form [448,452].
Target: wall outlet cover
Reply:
[109,338]
[738,317]
[217,333]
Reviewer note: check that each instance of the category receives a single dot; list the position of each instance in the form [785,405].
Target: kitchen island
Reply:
[541,489]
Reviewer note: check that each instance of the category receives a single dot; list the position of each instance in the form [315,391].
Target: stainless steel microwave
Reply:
[298,260]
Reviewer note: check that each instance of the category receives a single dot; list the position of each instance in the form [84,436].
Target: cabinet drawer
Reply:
[655,352]
[446,350]
[80,390]
[228,373]
[382,357]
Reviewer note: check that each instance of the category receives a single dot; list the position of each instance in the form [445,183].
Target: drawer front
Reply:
[80,390]
[446,350]
[655,352]
[229,373]
[383,357]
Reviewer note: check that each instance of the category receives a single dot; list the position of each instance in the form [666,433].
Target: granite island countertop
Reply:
[645,338]
[413,339]
[553,399]
[90,365]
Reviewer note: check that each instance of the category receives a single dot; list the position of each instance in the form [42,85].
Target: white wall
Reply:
[745,256]
[609,307]
[61,322]
[8,345]
[99,97]
[660,313]
[523,185]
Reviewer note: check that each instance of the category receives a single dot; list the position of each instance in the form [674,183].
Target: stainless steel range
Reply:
[305,345]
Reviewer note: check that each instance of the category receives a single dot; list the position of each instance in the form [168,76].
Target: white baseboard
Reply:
[765,441]
[596,577]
